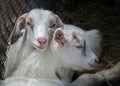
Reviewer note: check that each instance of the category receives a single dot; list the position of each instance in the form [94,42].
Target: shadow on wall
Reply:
[69,5]
[45,4]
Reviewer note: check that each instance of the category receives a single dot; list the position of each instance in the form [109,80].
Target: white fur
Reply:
[39,68]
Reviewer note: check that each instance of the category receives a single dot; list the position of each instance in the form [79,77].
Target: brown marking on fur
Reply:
[59,23]
[30,23]
[75,37]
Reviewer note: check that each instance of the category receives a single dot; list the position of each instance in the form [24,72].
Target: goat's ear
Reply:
[59,23]
[59,37]
[19,25]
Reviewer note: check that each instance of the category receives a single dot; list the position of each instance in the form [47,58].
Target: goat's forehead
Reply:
[40,14]
[72,33]
[69,34]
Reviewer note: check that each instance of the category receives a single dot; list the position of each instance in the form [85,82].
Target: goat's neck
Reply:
[38,65]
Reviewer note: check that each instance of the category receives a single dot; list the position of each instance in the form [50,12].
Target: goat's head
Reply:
[37,24]
[73,50]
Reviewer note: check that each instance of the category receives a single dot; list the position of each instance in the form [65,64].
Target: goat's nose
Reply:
[42,40]
[97,60]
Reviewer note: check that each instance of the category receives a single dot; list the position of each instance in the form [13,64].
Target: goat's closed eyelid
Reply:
[79,47]
[82,46]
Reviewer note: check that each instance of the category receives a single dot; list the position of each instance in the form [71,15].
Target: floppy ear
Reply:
[59,23]
[59,37]
[19,25]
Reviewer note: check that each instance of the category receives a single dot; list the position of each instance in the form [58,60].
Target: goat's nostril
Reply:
[97,60]
[42,40]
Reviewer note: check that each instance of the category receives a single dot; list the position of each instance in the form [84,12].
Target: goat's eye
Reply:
[79,47]
[53,25]
[28,23]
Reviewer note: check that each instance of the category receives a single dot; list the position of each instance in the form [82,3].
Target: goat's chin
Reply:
[91,67]
[40,48]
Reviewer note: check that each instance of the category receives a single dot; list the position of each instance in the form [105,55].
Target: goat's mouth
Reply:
[40,47]
[93,65]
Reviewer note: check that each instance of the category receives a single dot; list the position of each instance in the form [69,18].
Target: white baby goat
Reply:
[92,37]
[67,49]
[34,25]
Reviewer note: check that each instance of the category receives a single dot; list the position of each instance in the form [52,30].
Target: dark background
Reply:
[88,14]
